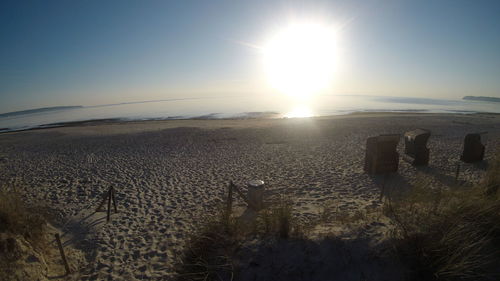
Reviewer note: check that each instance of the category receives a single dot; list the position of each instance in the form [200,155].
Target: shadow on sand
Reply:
[329,258]
[390,184]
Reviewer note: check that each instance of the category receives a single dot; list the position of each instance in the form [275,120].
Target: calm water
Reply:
[241,107]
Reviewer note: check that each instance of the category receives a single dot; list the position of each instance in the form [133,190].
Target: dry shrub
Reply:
[210,252]
[278,221]
[17,218]
[449,235]
[491,182]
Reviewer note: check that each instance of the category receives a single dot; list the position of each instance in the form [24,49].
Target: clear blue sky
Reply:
[92,52]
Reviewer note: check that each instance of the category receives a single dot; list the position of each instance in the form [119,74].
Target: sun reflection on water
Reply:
[299,112]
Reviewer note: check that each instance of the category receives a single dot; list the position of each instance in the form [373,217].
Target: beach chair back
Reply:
[381,156]
[473,148]
[416,146]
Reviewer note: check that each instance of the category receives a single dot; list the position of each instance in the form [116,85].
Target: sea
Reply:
[237,108]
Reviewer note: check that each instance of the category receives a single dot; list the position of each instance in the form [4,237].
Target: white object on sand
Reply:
[255,194]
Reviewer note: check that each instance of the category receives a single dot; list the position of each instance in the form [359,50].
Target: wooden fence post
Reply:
[109,203]
[457,171]
[104,197]
[249,203]
[114,199]
[63,256]
[229,206]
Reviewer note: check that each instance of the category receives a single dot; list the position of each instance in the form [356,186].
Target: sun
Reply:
[299,60]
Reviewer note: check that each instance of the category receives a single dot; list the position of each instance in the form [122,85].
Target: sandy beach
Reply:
[169,175]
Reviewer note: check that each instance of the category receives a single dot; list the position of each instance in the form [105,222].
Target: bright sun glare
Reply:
[299,60]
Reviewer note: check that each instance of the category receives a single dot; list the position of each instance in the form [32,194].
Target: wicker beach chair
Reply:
[473,148]
[416,146]
[381,155]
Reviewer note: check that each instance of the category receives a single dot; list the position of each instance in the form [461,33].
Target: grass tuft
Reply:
[210,252]
[491,182]
[278,221]
[449,234]
[17,218]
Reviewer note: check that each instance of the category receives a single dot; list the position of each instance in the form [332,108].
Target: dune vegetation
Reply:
[28,250]
[22,239]
[436,234]
[211,250]
[450,234]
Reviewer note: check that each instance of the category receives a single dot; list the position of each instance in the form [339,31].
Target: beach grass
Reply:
[449,234]
[19,222]
[17,218]
[210,252]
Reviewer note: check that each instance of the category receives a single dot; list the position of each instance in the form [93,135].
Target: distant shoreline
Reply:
[481,98]
[37,110]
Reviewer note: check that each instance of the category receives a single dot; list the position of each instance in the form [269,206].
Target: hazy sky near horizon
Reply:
[95,52]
